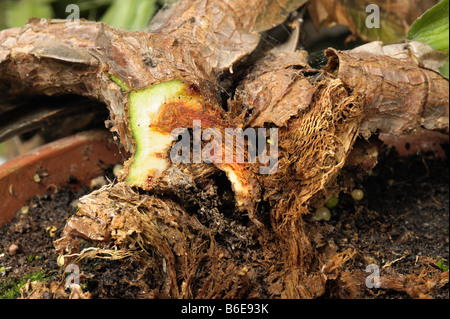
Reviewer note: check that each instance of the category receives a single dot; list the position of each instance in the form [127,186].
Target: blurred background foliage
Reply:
[133,15]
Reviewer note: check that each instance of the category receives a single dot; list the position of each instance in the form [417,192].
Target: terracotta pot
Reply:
[83,156]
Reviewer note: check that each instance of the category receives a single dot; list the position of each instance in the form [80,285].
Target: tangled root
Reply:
[190,258]
[313,149]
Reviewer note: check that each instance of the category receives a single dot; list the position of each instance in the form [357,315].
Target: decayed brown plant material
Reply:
[198,241]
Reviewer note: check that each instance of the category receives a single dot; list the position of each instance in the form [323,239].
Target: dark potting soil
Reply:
[26,243]
[402,220]
[31,234]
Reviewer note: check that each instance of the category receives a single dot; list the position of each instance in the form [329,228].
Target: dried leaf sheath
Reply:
[399,96]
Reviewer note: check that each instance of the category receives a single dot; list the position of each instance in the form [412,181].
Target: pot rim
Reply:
[83,155]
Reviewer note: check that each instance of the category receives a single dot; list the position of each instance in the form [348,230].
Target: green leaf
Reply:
[17,13]
[444,70]
[432,27]
[132,15]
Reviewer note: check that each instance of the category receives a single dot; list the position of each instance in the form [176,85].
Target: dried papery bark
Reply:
[181,47]
[189,257]
[263,92]
[402,100]
[224,31]
[399,96]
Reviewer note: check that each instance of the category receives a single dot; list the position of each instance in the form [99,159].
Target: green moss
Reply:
[31,258]
[442,265]
[10,288]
